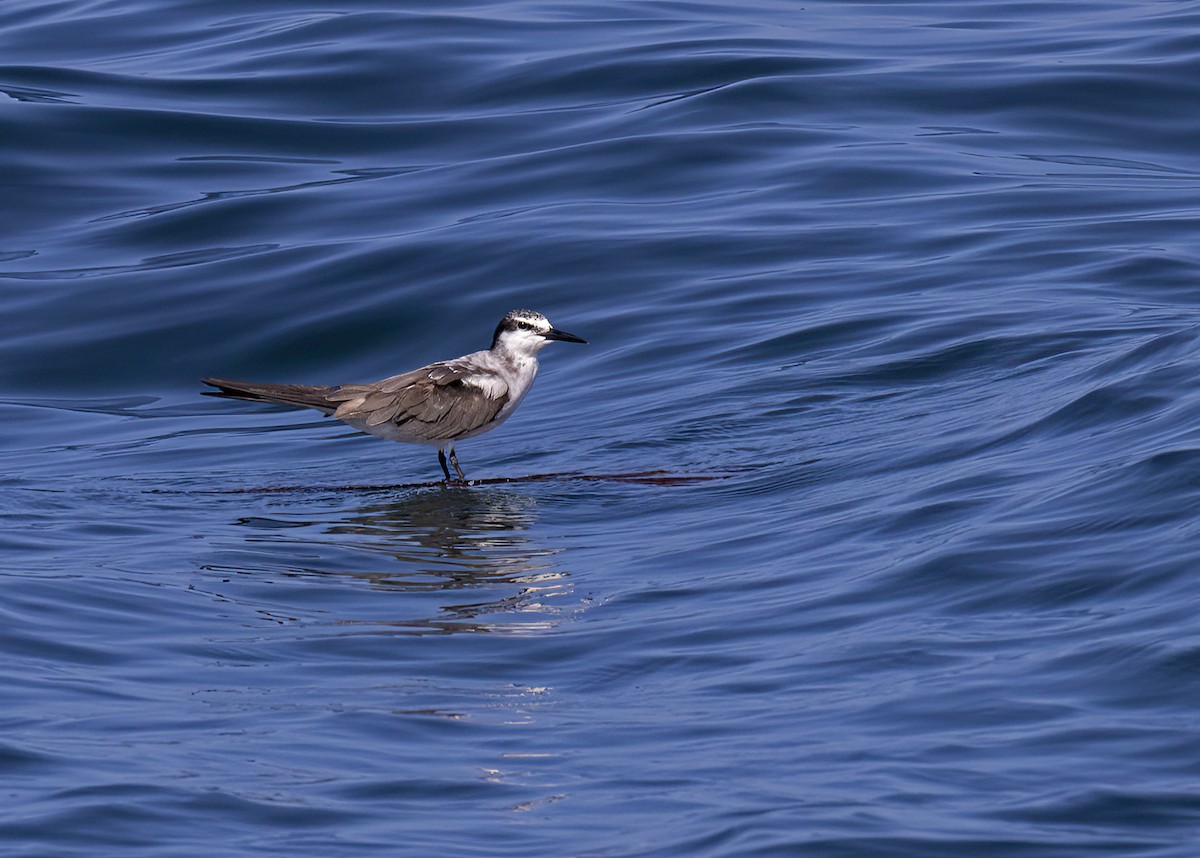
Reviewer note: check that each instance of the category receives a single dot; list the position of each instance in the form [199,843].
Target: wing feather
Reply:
[383,414]
[299,395]
[436,403]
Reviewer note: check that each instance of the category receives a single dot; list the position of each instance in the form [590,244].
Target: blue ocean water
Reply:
[918,283]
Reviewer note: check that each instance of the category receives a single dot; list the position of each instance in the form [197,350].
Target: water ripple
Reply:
[917,280]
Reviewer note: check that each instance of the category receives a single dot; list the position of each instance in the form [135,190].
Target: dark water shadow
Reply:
[183,259]
[342,177]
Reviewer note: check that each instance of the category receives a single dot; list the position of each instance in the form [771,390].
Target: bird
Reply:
[439,404]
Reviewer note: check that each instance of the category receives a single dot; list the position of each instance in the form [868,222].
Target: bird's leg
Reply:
[442,462]
[457,469]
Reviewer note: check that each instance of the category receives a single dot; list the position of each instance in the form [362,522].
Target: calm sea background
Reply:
[919,282]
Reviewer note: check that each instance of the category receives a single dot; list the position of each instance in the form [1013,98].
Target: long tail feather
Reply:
[298,395]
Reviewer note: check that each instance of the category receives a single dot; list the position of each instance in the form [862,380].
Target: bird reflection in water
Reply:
[449,541]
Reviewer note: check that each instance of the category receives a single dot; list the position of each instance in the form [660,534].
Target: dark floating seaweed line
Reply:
[645,478]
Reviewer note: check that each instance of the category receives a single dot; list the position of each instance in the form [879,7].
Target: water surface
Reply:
[918,281]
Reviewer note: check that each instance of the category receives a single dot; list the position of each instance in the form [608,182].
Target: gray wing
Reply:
[435,402]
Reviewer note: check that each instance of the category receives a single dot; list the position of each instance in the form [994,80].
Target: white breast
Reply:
[509,373]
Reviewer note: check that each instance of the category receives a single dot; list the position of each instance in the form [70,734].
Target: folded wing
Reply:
[434,403]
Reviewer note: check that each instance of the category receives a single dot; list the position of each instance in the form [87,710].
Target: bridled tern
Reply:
[439,404]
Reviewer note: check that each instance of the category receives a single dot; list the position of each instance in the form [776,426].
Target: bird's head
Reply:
[526,332]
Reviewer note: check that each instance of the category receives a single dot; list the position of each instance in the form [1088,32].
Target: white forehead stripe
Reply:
[535,320]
